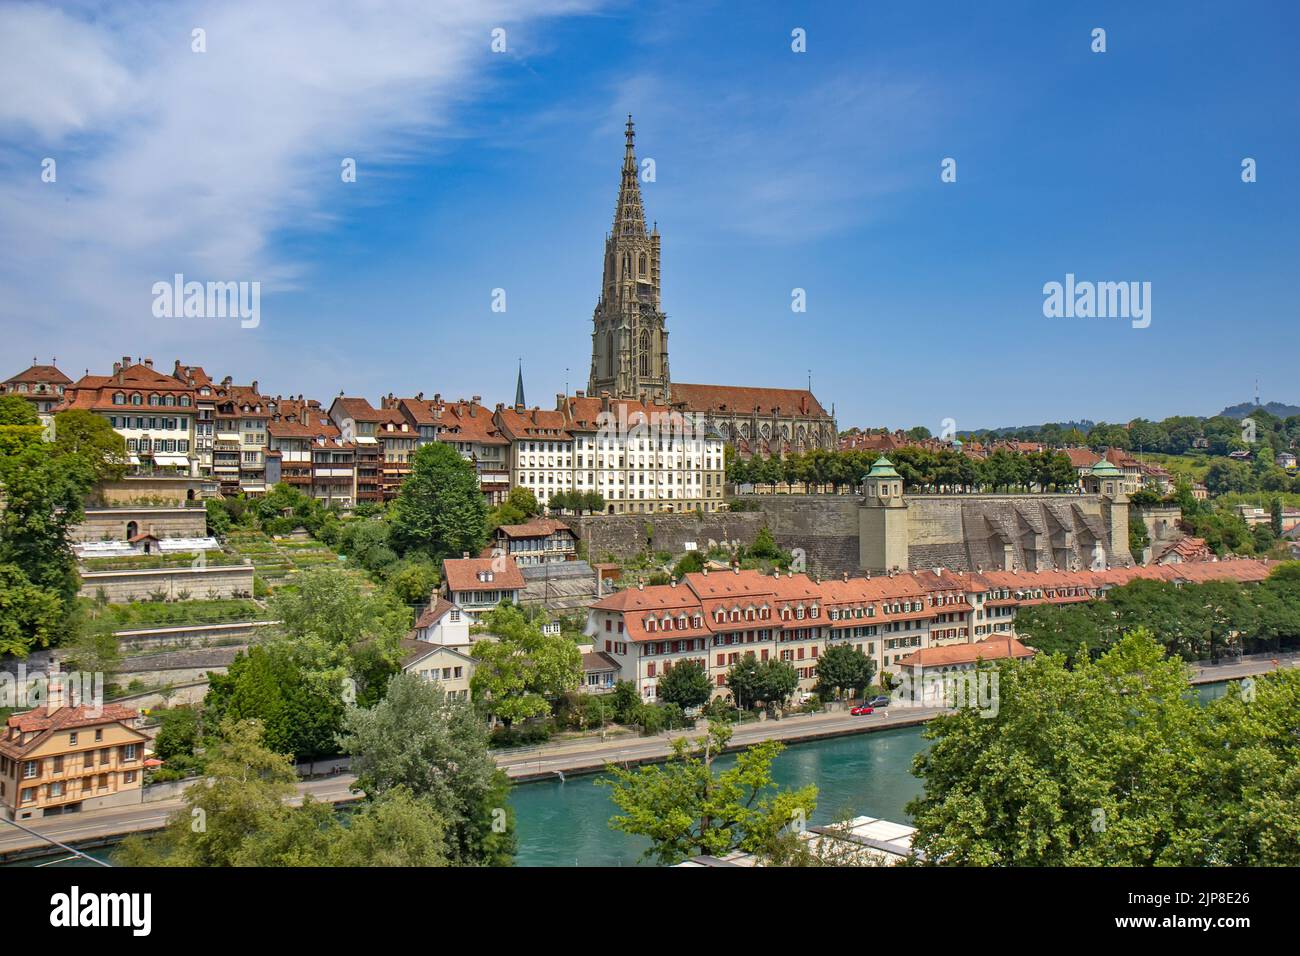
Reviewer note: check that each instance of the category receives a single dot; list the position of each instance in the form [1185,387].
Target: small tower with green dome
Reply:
[1106,481]
[882,519]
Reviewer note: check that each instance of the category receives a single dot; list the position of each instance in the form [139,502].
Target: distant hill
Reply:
[1273,408]
[1002,432]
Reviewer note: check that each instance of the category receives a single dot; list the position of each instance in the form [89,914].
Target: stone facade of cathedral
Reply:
[629,348]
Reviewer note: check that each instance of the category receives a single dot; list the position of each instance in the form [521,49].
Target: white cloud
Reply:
[175,161]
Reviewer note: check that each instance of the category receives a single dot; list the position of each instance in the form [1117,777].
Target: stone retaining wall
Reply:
[624,536]
[208,583]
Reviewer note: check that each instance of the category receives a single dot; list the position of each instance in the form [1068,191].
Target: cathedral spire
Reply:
[629,339]
[629,216]
[519,387]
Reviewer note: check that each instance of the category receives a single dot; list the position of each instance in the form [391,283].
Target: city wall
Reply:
[624,536]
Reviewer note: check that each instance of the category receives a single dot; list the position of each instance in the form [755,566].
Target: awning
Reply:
[170,460]
[227,437]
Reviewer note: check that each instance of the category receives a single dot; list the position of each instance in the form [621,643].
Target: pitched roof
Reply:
[95,392]
[990,649]
[462,574]
[598,661]
[537,423]
[36,374]
[438,607]
[744,400]
[44,722]
[537,528]
[1081,457]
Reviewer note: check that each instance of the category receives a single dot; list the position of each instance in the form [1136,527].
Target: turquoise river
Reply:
[567,824]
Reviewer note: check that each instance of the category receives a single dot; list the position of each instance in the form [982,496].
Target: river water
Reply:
[567,824]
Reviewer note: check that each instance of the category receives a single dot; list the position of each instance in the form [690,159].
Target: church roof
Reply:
[746,400]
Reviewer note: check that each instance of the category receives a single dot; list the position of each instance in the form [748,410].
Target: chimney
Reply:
[735,568]
[464,554]
[126,361]
[476,399]
[640,585]
[559,401]
[604,401]
[705,571]
[846,577]
[148,363]
[672,582]
[54,693]
[581,394]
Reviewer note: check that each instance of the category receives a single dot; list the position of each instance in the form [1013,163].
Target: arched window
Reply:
[641,266]
[132,529]
[609,355]
[645,353]
[627,263]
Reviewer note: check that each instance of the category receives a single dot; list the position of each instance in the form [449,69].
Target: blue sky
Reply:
[774,170]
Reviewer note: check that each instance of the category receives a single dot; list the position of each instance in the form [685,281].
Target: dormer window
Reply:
[119,398]
[136,399]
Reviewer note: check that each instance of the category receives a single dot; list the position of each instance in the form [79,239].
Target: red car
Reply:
[862,711]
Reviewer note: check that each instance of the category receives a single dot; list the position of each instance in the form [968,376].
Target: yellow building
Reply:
[62,759]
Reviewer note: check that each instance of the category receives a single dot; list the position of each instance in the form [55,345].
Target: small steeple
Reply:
[519,387]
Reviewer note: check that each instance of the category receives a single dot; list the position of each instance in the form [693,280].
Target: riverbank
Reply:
[548,763]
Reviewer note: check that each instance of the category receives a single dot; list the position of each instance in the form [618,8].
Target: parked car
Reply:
[878,702]
[861,710]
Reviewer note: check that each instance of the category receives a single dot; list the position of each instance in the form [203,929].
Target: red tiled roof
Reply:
[703,594]
[37,374]
[95,392]
[44,722]
[1081,457]
[537,528]
[434,612]
[535,423]
[744,400]
[461,574]
[990,649]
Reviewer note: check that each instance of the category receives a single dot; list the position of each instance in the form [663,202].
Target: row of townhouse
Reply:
[717,618]
[640,457]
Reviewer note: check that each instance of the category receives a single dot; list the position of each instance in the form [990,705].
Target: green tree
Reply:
[692,562]
[1113,763]
[765,545]
[523,670]
[414,581]
[842,667]
[16,410]
[243,793]
[336,628]
[84,434]
[31,616]
[686,808]
[686,684]
[1138,537]
[437,748]
[440,509]
[301,713]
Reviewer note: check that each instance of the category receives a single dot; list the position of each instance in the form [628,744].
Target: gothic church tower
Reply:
[629,340]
